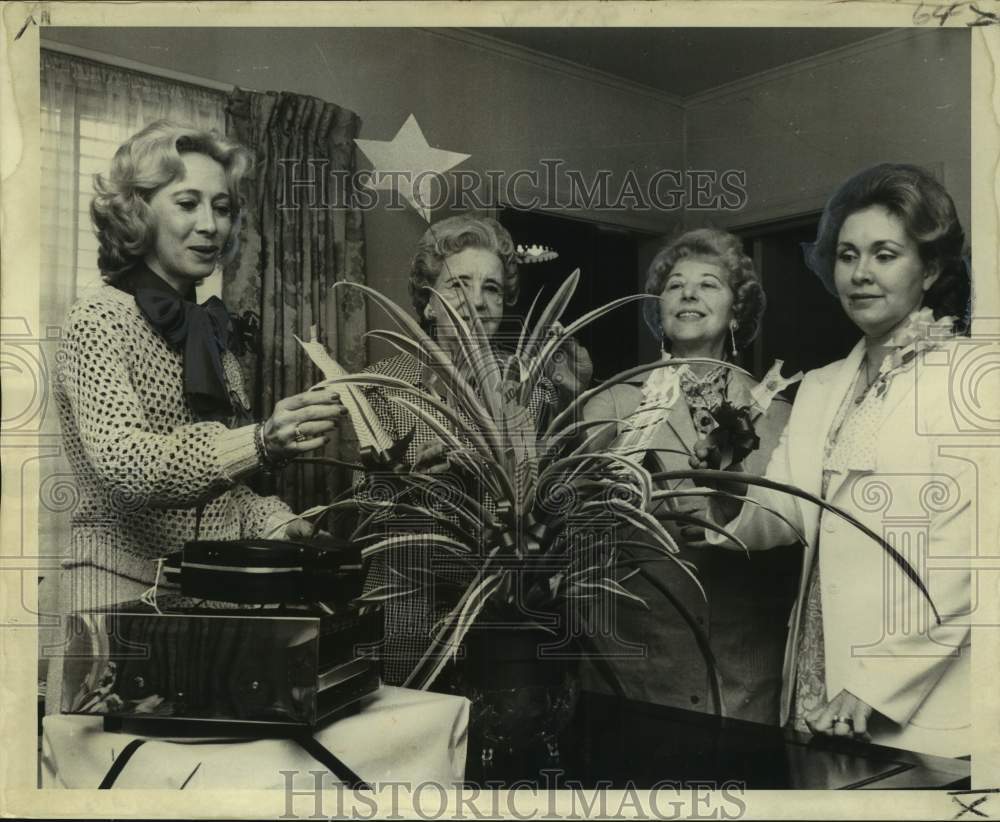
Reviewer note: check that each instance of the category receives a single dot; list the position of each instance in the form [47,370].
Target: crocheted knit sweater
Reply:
[149,476]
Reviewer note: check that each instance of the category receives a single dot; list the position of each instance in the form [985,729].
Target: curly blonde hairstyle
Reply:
[142,165]
[727,250]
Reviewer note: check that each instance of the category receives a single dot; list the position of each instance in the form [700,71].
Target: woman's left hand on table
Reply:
[844,715]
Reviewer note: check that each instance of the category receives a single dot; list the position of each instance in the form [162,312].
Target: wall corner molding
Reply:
[824,58]
[485,42]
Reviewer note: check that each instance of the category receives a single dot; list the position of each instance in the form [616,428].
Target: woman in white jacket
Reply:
[867,656]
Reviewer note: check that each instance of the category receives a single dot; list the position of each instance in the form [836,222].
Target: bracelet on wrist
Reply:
[269,463]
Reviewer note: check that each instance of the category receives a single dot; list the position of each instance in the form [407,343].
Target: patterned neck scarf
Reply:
[853,436]
[704,395]
[202,333]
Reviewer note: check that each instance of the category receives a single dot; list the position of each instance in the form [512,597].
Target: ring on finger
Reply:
[844,720]
[299,436]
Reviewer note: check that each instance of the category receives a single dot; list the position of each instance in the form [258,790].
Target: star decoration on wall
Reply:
[408,164]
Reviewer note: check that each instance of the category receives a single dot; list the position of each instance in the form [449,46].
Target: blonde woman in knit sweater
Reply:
[150,397]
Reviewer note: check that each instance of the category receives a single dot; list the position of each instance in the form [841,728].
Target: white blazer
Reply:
[881,640]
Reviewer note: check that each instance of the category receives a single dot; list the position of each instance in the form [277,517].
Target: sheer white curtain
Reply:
[87,110]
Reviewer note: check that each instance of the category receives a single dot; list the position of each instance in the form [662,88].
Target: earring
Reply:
[732,335]
[430,322]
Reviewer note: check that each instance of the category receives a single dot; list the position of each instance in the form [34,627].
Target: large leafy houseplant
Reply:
[531,488]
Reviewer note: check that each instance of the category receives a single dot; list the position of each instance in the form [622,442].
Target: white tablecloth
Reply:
[398,735]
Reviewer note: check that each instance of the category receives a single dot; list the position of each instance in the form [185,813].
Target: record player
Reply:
[264,637]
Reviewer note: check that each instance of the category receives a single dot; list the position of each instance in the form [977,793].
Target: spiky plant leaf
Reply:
[701,522]
[432,354]
[596,442]
[538,363]
[419,675]
[677,451]
[572,464]
[375,508]
[331,461]
[453,630]
[490,458]
[383,593]
[559,439]
[575,409]
[709,493]
[478,364]
[503,442]
[609,586]
[490,473]
[448,374]
[551,314]
[452,546]
[463,506]
[705,474]
[519,352]
[659,538]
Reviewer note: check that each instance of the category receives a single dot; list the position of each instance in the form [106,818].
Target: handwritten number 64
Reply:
[941,12]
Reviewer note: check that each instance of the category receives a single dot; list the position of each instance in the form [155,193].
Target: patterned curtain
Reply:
[292,250]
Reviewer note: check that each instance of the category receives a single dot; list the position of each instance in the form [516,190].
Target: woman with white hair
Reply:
[470,261]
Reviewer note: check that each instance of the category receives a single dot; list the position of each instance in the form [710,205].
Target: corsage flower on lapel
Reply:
[734,437]
[921,332]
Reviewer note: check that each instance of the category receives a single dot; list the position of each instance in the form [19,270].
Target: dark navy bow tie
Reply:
[201,332]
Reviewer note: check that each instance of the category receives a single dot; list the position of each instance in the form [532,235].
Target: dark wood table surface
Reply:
[616,743]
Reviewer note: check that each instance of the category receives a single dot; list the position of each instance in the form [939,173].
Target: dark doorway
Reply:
[804,324]
[609,260]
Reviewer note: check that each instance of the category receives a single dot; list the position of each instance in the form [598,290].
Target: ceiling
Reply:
[681,61]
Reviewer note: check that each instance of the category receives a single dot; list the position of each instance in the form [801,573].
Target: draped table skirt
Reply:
[398,735]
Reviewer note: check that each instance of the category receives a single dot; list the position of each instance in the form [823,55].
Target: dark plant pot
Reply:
[522,698]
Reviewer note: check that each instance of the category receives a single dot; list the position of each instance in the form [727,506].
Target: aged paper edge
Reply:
[20,299]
